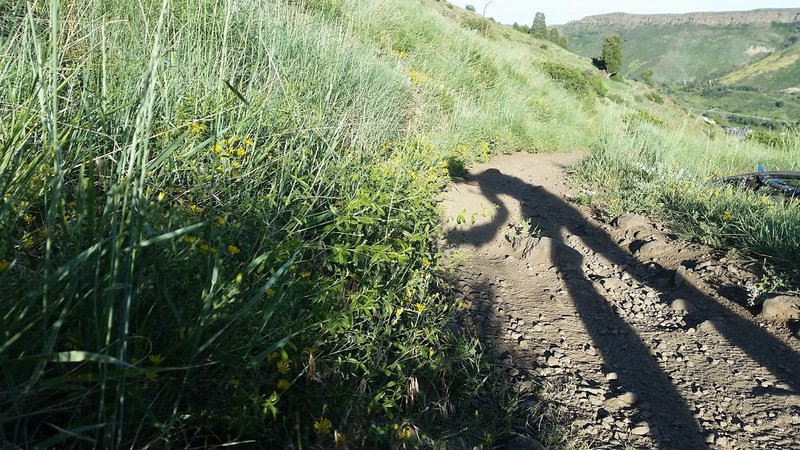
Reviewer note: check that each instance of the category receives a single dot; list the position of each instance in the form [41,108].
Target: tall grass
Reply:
[663,164]
[218,221]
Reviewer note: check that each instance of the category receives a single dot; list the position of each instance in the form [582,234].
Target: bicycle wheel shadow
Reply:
[672,422]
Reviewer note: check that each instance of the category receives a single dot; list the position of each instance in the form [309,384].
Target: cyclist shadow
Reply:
[621,347]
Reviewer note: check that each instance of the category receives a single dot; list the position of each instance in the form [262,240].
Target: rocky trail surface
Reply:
[648,339]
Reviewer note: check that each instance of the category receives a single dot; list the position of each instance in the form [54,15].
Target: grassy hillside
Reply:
[685,52]
[778,71]
[219,217]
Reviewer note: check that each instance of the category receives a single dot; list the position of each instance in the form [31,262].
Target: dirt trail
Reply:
[641,331]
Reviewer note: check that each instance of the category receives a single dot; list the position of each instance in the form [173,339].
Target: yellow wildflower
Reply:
[220,169]
[727,216]
[248,142]
[420,307]
[220,221]
[283,384]
[405,433]
[27,241]
[283,366]
[162,196]
[156,359]
[322,426]
[234,383]
[28,219]
[240,152]
[189,239]
[196,128]
[204,247]
[270,293]
[239,278]
[426,262]
[152,376]
[196,209]
[4,265]
[233,250]
[305,274]
[216,148]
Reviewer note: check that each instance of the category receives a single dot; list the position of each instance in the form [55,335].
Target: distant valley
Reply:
[742,65]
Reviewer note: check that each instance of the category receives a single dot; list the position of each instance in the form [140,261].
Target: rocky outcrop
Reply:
[754,17]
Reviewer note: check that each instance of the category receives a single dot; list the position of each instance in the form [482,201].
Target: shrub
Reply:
[582,84]
[655,97]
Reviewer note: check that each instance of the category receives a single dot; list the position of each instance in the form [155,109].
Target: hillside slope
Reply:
[688,47]
[778,71]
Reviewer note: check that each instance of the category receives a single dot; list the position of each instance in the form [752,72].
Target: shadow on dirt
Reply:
[621,348]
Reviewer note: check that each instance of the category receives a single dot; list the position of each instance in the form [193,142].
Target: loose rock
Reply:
[651,250]
[781,308]
[682,307]
[630,221]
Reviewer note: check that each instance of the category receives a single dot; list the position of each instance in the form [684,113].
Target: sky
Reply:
[559,13]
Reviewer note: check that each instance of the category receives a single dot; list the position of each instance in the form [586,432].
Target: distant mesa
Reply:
[754,17]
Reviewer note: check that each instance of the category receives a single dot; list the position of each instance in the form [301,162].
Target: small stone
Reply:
[781,308]
[614,284]
[710,326]
[641,429]
[651,250]
[630,221]
[611,376]
[682,307]
[626,400]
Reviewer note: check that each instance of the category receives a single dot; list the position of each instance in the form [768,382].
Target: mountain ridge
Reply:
[762,16]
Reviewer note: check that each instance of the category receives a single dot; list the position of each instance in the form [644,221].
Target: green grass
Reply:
[219,218]
[219,221]
[661,165]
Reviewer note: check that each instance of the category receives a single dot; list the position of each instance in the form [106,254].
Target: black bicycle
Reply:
[786,184]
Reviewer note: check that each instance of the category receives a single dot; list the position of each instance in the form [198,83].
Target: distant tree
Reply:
[553,34]
[611,55]
[539,28]
[555,37]
[470,8]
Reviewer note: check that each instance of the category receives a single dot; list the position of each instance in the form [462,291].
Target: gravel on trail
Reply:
[647,341]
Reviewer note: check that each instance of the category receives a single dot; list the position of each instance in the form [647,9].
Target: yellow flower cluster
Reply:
[418,77]
[195,127]
[232,148]
[235,147]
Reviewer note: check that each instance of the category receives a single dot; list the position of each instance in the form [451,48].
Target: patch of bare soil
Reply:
[645,336]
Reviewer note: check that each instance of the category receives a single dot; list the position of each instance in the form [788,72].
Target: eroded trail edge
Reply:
[644,338]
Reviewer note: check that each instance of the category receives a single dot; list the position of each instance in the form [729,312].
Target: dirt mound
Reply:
[644,337]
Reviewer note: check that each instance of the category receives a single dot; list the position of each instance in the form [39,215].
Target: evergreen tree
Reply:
[539,28]
[611,55]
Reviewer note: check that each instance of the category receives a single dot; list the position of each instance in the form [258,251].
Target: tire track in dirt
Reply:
[627,322]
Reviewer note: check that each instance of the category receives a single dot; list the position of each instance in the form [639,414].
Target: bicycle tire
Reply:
[769,180]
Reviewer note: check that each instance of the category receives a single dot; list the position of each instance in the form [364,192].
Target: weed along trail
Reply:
[639,338]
